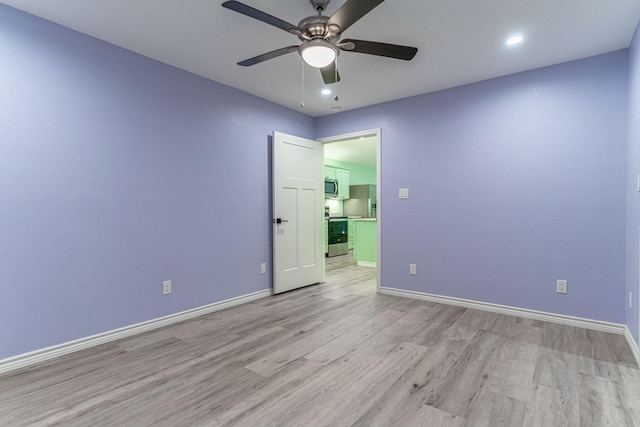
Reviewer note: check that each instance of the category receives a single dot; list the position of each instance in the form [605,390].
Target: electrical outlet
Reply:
[412,269]
[561,286]
[263,267]
[630,299]
[403,193]
[166,287]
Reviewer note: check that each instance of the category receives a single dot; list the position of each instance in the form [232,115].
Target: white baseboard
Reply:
[367,264]
[633,345]
[580,322]
[45,354]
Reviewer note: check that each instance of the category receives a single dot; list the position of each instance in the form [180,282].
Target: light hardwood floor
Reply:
[337,354]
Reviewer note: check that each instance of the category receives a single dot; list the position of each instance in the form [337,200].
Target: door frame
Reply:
[355,135]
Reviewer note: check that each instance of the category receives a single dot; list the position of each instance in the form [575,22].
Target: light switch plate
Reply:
[403,193]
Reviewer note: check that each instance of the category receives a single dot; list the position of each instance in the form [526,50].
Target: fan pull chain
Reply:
[302,82]
[335,69]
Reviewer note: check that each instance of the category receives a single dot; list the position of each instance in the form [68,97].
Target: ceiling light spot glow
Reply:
[326,91]
[514,40]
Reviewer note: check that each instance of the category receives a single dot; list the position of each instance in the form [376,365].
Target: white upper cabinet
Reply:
[330,172]
[342,175]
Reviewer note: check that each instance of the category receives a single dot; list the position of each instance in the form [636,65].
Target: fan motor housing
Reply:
[315,27]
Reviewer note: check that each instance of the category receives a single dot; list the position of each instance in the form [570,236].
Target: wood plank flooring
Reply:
[337,354]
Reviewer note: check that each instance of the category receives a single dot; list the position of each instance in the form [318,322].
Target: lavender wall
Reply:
[633,197]
[514,182]
[111,164]
[116,173]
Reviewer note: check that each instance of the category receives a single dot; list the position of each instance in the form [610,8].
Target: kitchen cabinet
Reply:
[365,250]
[342,175]
[352,234]
[330,172]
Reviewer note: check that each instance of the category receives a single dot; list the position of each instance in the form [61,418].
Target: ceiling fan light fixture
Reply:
[318,53]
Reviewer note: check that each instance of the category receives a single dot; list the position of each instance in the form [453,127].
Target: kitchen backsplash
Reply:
[335,207]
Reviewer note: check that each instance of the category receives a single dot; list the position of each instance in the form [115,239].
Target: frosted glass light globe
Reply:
[317,53]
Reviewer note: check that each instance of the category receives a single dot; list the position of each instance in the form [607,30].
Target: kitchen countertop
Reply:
[365,219]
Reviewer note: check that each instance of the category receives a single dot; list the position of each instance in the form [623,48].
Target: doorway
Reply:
[352,163]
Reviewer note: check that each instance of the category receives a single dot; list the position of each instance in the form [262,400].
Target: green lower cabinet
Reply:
[352,234]
[365,250]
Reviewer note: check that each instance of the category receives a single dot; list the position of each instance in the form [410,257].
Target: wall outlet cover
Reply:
[561,286]
[403,193]
[412,269]
[263,267]
[166,287]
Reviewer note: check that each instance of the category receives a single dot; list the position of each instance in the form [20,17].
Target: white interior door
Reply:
[298,195]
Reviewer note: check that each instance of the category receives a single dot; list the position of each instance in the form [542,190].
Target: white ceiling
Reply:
[361,151]
[459,41]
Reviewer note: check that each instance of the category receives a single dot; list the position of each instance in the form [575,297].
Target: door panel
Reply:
[298,195]
[288,241]
[308,215]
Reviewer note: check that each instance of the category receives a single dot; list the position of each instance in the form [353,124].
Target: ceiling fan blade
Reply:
[329,74]
[269,55]
[351,11]
[381,49]
[249,11]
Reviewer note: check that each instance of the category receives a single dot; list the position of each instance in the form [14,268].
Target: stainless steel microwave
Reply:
[331,188]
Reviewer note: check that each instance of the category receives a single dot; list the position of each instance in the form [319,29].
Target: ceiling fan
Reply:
[320,36]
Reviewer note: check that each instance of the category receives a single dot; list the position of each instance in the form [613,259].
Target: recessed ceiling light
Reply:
[514,40]
[326,91]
